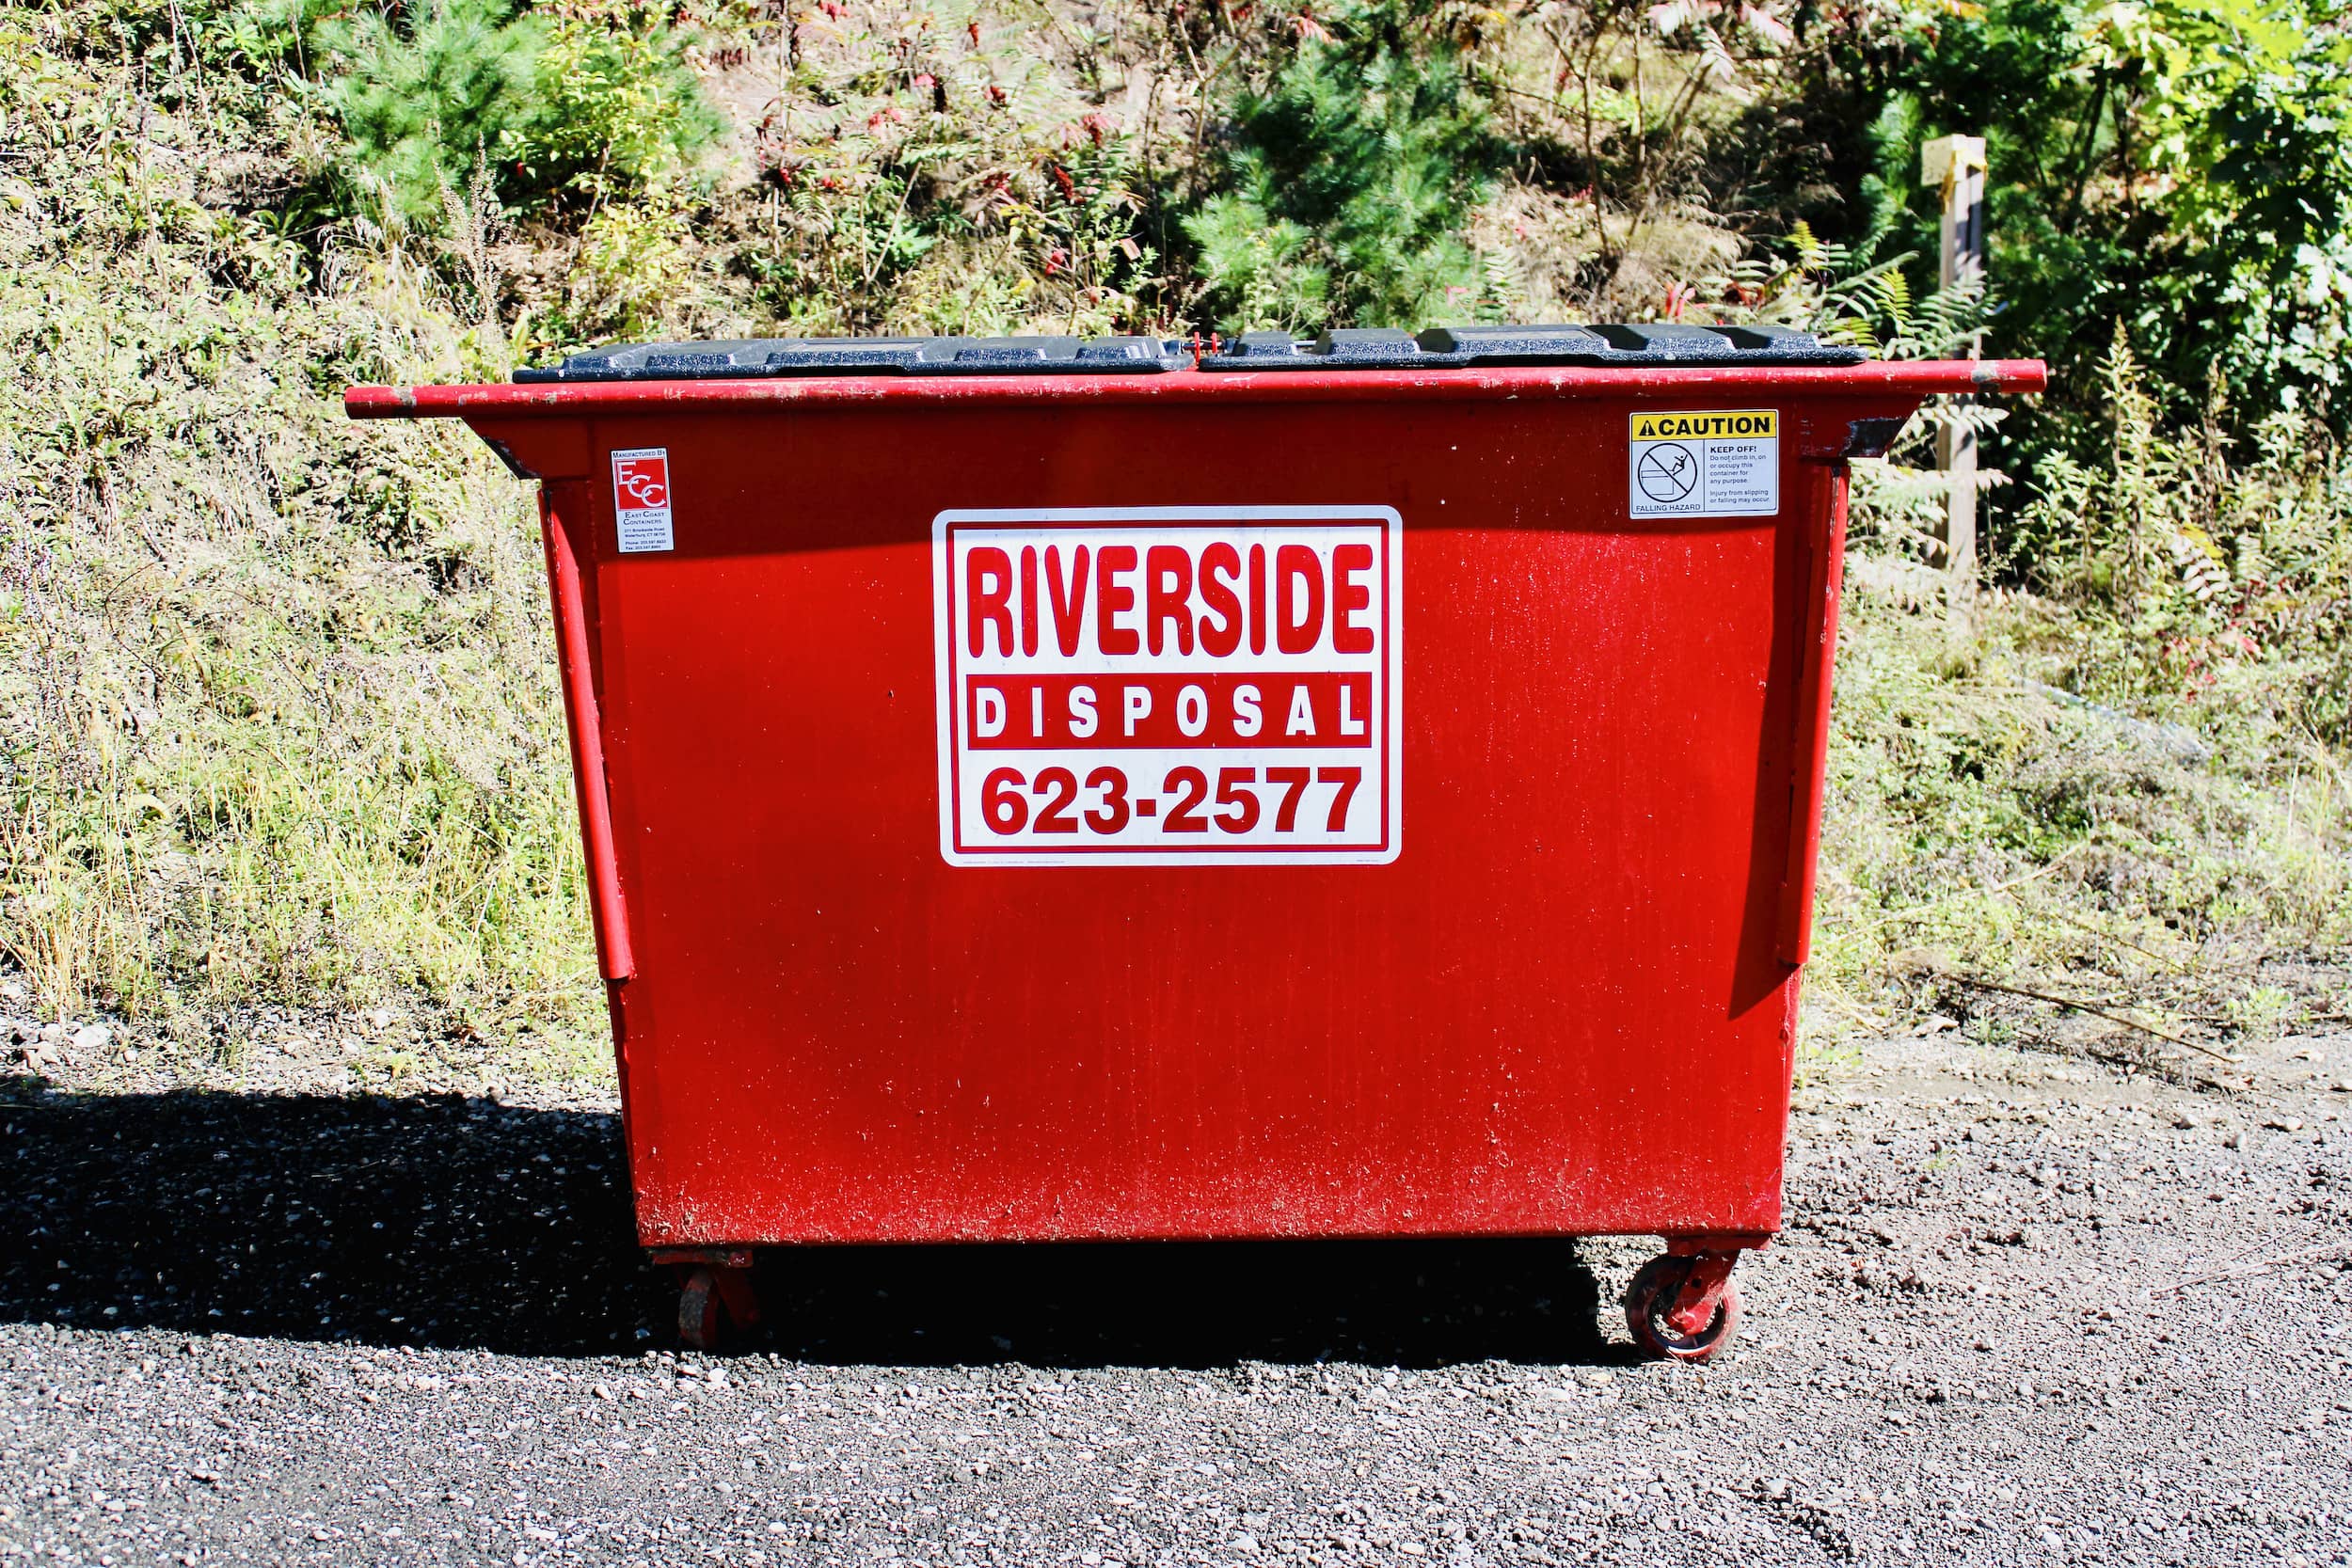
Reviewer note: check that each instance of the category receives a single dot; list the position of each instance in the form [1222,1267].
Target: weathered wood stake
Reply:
[1957,164]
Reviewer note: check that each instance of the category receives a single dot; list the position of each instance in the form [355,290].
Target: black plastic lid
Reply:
[1435,348]
[767,356]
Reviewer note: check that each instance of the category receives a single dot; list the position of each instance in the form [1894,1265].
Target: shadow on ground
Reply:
[444,1221]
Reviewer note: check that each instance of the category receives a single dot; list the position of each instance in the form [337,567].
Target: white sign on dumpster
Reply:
[641,499]
[1168,686]
[1716,462]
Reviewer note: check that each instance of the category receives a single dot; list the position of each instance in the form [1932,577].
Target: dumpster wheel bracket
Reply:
[715,1297]
[1683,1306]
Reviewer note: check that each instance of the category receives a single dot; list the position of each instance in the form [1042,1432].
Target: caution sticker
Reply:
[1713,464]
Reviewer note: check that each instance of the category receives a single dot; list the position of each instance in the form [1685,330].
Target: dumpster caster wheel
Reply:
[700,1313]
[1684,1308]
[714,1301]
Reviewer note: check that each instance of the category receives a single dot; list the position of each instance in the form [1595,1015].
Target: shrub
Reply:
[2205,563]
[632,274]
[940,179]
[1344,182]
[2180,167]
[424,95]
[596,97]
[619,104]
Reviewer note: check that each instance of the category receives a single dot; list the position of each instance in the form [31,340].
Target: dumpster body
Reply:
[1047,797]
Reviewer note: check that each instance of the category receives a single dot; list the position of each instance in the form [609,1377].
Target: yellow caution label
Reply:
[1762,424]
[1712,462]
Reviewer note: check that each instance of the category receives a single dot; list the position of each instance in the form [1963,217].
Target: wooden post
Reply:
[1956,163]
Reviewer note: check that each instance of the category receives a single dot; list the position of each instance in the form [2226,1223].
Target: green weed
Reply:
[276,718]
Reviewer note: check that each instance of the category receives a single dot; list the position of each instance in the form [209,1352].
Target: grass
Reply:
[1982,828]
[277,716]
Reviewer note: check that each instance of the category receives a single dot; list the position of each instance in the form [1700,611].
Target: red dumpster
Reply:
[1036,789]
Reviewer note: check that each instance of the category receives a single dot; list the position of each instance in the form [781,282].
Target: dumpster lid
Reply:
[1655,346]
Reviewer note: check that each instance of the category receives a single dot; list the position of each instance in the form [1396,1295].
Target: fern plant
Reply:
[1845,293]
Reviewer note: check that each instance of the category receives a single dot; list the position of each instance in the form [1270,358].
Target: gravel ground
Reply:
[2029,1309]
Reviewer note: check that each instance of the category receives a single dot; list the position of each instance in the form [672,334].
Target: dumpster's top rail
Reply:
[1442,363]
[1440,347]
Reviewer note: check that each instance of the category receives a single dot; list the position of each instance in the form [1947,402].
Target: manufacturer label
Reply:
[1142,685]
[1706,465]
[641,499]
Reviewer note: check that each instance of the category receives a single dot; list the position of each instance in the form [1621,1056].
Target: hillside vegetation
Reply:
[277,723]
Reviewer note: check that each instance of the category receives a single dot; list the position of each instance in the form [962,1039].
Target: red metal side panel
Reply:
[1562,1008]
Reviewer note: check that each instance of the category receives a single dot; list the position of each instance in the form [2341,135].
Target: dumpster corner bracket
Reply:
[506,455]
[1869,437]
